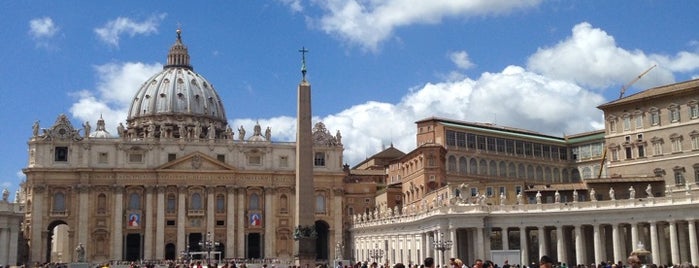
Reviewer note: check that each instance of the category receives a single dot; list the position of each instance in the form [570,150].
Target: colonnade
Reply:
[571,233]
[672,241]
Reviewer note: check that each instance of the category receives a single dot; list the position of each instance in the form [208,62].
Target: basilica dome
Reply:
[176,101]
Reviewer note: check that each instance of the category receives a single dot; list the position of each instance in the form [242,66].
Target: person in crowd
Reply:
[429,262]
[545,262]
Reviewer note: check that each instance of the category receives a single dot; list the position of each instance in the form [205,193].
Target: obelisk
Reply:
[304,234]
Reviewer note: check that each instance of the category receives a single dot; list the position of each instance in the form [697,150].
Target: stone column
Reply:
[616,244]
[84,211]
[304,248]
[480,250]
[579,247]
[230,222]
[14,235]
[240,226]
[118,227]
[38,235]
[210,202]
[148,232]
[160,225]
[560,245]
[505,239]
[270,237]
[674,246]
[5,240]
[654,249]
[454,244]
[181,213]
[596,237]
[694,251]
[542,241]
[337,212]
[523,245]
[634,236]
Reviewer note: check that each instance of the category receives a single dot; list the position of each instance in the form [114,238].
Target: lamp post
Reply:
[376,253]
[208,245]
[185,254]
[442,245]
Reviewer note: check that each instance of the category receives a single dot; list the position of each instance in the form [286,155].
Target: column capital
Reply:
[231,189]
[160,188]
[83,188]
[149,188]
[39,189]
[182,188]
[119,189]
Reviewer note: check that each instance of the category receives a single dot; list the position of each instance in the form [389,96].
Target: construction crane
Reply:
[625,87]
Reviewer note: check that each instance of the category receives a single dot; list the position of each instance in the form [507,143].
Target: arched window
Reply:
[134,201]
[473,166]
[547,173]
[220,203]
[463,166]
[530,172]
[503,169]
[59,202]
[483,167]
[451,166]
[587,172]
[320,203]
[493,168]
[254,202]
[101,203]
[521,172]
[196,202]
[539,173]
[171,203]
[512,171]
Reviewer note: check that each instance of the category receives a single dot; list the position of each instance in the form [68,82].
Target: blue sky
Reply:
[376,66]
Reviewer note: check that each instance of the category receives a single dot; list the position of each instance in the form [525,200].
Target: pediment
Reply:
[195,161]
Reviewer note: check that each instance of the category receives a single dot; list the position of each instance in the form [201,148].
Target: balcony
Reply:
[195,212]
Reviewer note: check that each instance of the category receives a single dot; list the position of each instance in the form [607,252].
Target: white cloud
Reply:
[42,29]
[294,5]
[461,60]
[367,23]
[591,57]
[111,31]
[116,86]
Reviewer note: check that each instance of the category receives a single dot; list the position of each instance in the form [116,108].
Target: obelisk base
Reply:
[305,255]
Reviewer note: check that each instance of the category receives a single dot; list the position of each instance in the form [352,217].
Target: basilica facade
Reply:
[173,178]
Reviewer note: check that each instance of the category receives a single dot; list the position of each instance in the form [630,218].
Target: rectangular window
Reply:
[695,142]
[655,118]
[679,177]
[501,145]
[171,157]
[461,139]
[491,144]
[501,190]
[629,153]
[675,115]
[528,148]
[489,191]
[676,145]
[170,222]
[319,159]
[615,155]
[519,148]
[627,123]
[480,142]
[220,223]
[255,160]
[61,154]
[657,148]
[510,146]
[471,141]
[451,138]
[518,189]
[641,151]
[694,111]
[612,126]
[221,158]
[136,158]
[103,158]
[283,161]
[639,121]
[474,191]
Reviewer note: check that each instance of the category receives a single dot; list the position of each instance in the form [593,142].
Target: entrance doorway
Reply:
[322,228]
[254,246]
[133,247]
[170,251]
[194,239]
[58,247]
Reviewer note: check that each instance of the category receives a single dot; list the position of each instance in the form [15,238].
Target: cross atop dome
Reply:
[178,55]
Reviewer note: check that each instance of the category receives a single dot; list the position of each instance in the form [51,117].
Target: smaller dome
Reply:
[101,132]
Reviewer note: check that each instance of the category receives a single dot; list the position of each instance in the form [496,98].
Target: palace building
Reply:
[174,177]
[490,191]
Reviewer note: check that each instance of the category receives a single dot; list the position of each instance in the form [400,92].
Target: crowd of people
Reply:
[544,262]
